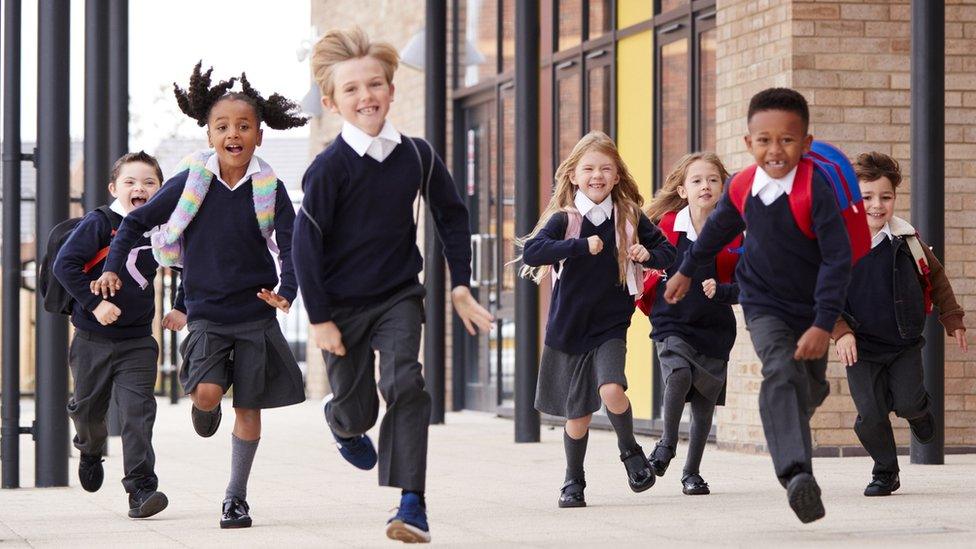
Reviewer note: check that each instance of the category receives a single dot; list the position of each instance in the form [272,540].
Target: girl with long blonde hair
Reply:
[594,242]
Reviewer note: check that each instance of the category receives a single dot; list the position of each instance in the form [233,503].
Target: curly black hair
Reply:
[199,99]
[780,99]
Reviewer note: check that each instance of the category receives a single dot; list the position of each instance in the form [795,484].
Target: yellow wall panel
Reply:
[631,12]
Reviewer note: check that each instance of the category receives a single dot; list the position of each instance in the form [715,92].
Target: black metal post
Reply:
[435,128]
[51,426]
[10,430]
[96,105]
[118,79]
[526,215]
[928,194]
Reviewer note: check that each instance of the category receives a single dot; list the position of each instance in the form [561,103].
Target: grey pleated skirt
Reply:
[708,375]
[569,385]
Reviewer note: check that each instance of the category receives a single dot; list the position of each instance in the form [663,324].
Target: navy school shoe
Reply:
[409,525]
[205,423]
[359,450]
[883,484]
[146,503]
[803,493]
[235,513]
[90,472]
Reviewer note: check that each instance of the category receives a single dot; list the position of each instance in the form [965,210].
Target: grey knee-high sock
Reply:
[575,454]
[241,457]
[675,390]
[623,425]
[702,410]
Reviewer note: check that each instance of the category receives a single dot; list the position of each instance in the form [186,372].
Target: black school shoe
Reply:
[923,428]
[571,494]
[235,514]
[692,484]
[803,493]
[660,458]
[883,484]
[205,423]
[90,472]
[640,476]
[146,503]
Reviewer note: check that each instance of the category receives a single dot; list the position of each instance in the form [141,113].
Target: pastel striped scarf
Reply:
[167,241]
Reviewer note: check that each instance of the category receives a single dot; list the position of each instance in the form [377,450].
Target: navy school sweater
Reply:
[706,324]
[226,260]
[138,305]
[355,237]
[589,306]
[782,272]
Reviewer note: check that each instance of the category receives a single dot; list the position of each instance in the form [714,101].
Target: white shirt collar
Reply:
[213,165]
[762,179]
[116,206]
[584,205]
[378,147]
[683,224]
[885,232]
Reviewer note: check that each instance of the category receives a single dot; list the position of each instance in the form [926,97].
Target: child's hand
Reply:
[813,344]
[106,313]
[470,311]
[676,288]
[596,245]
[174,320]
[328,338]
[638,253]
[709,287]
[106,285]
[274,300]
[960,334]
[846,348]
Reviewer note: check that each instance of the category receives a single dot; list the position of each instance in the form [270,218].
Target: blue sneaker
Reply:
[358,451]
[409,525]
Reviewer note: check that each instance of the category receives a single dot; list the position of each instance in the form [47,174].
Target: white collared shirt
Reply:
[885,232]
[684,224]
[116,206]
[213,165]
[378,147]
[588,209]
[770,189]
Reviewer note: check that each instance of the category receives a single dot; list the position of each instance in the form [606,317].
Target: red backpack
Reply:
[837,170]
[725,263]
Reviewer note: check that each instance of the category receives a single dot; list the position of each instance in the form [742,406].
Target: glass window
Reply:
[674,103]
[478,40]
[570,14]
[568,113]
[598,90]
[601,18]
[668,5]
[508,188]
[508,35]
[707,77]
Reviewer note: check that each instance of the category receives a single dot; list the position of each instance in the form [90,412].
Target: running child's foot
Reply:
[640,476]
[692,484]
[205,423]
[571,494]
[146,503]
[883,484]
[660,458]
[236,514]
[923,428]
[409,525]
[90,472]
[803,493]
[358,450]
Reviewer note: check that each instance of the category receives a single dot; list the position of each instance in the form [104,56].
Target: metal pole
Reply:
[118,79]
[526,214]
[51,452]
[10,430]
[928,193]
[435,128]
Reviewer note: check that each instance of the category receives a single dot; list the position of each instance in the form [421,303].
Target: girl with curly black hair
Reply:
[221,218]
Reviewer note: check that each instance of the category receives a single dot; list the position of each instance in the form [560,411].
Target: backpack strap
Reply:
[574,223]
[727,259]
[666,224]
[115,220]
[424,179]
[740,186]
[801,198]
[922,266]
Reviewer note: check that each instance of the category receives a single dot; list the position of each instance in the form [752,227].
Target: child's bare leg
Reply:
[244,444]
[620,415]
[206,396]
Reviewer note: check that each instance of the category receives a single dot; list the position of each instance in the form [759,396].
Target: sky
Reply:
[165,40]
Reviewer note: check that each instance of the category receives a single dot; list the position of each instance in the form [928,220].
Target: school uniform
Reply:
[355,242]
[787,283]
[886,309]
[234,336]
[590,310]
[123,354]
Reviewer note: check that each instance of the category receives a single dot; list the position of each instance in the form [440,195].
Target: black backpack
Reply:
[56,297]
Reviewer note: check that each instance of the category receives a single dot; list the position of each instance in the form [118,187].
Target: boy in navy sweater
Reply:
[357,263]
[113,343]
[886,307]
[792,288]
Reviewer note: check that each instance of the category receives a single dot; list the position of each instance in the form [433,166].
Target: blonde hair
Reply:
[626,200]
[667,198]
[340,45]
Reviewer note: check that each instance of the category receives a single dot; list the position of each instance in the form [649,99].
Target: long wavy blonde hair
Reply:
[667,198]
[626,199]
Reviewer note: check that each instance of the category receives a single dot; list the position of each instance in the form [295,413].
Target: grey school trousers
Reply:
[97,363]
[791,391]
[391,328]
